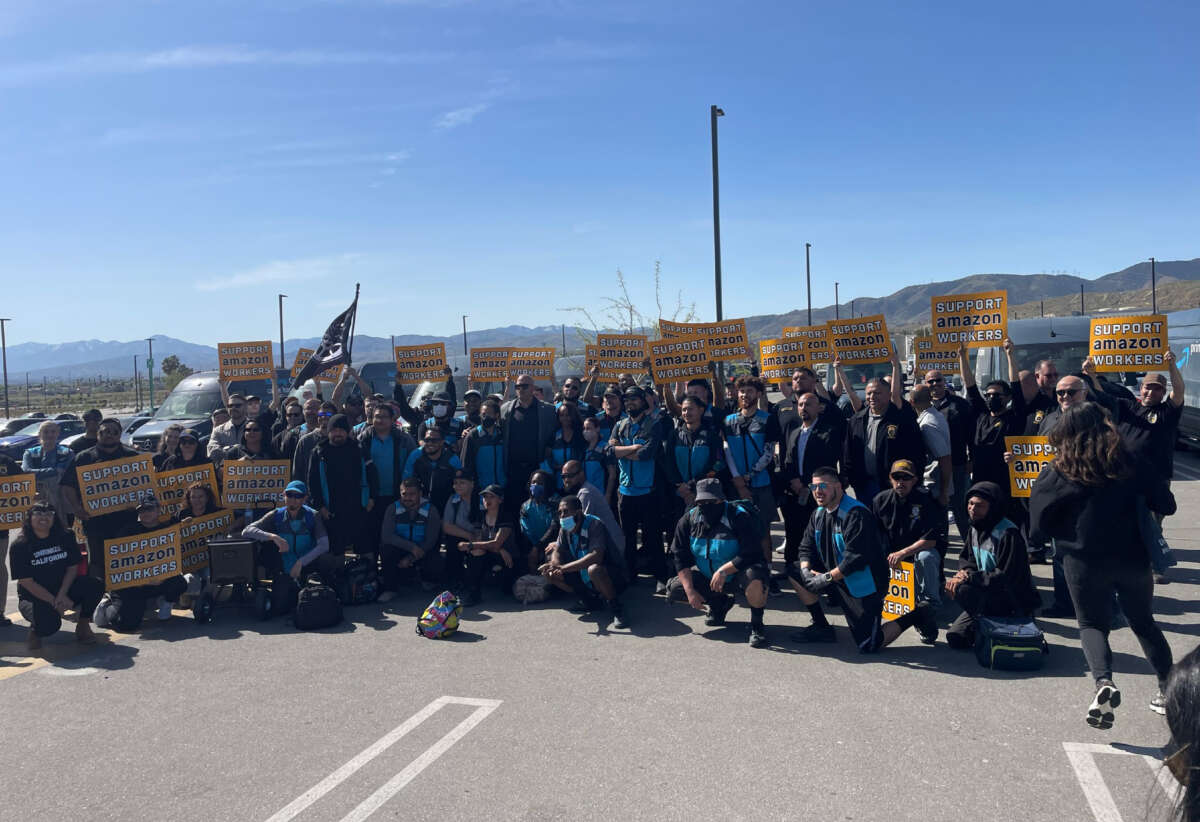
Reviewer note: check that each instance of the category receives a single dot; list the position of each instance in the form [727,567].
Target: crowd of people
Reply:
[590,488]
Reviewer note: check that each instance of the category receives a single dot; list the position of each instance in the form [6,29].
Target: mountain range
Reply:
[905,309]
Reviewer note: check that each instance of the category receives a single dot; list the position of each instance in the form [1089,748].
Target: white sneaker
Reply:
[164,609]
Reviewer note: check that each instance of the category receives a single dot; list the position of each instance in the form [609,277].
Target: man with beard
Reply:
[960,417]
[102,526]
[387,449]
[635,445]
[434,466]
[814,440]
[594,502]
[878,434]
[341,486]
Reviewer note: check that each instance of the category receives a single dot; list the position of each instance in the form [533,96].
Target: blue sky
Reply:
[168,167]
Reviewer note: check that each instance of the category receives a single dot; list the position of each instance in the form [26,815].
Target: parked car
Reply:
[17,423]
[15,445]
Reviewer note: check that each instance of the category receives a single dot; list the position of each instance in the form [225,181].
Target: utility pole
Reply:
[1042,304]
[1153,289]
[4,352]
[150,371]
[714,112]
[464,316]
[837,307]
[137,384]
[28,404]
[1081,299]
[282,356]
[808,280]
[564,336]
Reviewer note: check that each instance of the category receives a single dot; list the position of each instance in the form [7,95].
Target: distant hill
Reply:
[908,308]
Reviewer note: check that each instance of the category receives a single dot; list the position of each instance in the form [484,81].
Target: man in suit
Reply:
[814,441]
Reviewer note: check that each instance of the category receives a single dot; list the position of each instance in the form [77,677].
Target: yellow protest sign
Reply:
[17,495]
[979,319]
[777,359]
[245,360]
[171,487]
[859,341]
[902,592]
[616,354]
[536,362]
[725,341]
[678,359]
[416,364]
[928,356]
[489,364]
[194,535]
[816,341]
[253,483]
[1030,456]
[105,487]
[143,559]
[303,355]
[1129,343]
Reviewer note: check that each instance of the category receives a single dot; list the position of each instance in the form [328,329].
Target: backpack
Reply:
[1010,644]
[531,588]
[317,606]
[747,506]
[358,583]
[440,619]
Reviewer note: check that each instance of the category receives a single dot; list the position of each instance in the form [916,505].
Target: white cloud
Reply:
[461,116]
[283,271]
[201,57]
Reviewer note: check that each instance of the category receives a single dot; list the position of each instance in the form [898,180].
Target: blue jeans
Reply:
[927,568]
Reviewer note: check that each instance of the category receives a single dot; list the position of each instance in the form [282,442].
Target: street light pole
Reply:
[714,112]
[837,306]
[464,316]
[808,280]
[1153,289]
[150,371]
[282,356]
[4,350]
[137,383]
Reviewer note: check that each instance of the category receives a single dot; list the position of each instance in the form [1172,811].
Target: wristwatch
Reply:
[828,576]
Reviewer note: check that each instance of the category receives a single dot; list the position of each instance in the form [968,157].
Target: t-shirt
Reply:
[935,431]
[45,561]
[523,446]
[1150,431]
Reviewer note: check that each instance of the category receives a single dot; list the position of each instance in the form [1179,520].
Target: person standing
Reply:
[751,438]
[635,445]
[960,417]
[387,449]
[814,441]
[101,526]
[1087,501]
[878,434]
[434,466]
[49,461]
[527,426]
[228,435]
[91,431]
[694,451]
[1000,413]
[341,487]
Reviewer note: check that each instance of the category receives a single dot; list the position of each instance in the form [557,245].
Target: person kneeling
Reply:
[408,538]
[843,553]
[718,543]
[45,562]
[993,578]
[580,561]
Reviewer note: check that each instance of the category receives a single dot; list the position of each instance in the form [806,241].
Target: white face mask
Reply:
[440,411]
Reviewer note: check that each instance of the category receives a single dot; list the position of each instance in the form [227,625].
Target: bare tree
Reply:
[621,313]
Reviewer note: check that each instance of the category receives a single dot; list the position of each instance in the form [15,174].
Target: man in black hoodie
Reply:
[341,487]
[993,577]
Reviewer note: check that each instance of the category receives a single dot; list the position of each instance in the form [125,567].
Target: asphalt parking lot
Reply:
[537,714]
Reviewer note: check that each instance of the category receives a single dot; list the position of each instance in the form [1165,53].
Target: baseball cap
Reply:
[472,393]
[903,467]
[147,500]
[189,434]
[296,487]
[495,490]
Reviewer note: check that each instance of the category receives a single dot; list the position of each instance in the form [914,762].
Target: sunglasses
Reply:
[1068,392]
[996,394]
[293,495]
[903,477]
[325,414]
[572,474]
[819,486]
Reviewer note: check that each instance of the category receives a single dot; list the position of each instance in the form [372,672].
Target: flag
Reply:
[335,345]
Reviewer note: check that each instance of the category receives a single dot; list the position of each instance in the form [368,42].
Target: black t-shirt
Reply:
[45,561]
[1036,410]
[83,443]
[523,439]
[1150,431]
[908,519]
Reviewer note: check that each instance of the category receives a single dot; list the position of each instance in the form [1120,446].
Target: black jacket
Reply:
[824,448]
[897,437]
[547,424]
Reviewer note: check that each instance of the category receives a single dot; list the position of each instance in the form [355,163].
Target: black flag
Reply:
[335,345]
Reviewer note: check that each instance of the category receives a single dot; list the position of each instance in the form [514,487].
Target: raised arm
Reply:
[964,370]
[1177,386]
[846,388]
[1010,351]
[897,379]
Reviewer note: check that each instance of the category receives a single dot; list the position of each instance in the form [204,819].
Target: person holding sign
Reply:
[101,526]
[1090,500]
[993,576]
[198,501]
[1001,413]
[226,436]
[914,523]
[125,608]
[189,454]
[880,433]
[45,563]
[413,416]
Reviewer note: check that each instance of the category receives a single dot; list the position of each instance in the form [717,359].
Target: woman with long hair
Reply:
[1183,719]
[568,441]
[168,446]
[1091,500]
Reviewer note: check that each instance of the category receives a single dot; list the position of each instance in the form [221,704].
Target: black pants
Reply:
[98,529]
[392,576]
[1092,581]
[643,512]
[977,601]
[85,592]
[345,528]
[795,520]
[284,590]
[480,569]
[373,525]
[738,582]
[517,489]
[132,602]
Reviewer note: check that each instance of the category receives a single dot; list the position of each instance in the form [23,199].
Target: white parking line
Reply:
[1082,758]
[396,783]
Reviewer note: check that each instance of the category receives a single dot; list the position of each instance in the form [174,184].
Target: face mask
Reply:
[567,523]
[537,491]
[996,404]
[440,411]
[711,513]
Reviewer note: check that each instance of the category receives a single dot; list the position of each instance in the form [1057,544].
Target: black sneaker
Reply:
[758,637]
[717,611]
[1107,699]
[618,615]
[472,598]
[926,623]
[814,633]
[583,606]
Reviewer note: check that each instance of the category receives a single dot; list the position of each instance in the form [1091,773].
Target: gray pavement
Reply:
[242,720]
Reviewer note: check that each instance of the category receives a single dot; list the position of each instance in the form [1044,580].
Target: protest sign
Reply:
[725,341]
[245,360]
[489,364]
[254,483]
[928,356]
[143,559]
[331,374]
[902,592]
[17,494]
[678,359]
[1030,456]
[416,364]
[536,362]
[171,487]
[979,319]
[860,341]
[194,535]
[816,342]
[1129,343]
[777,359]
[616,354]
[105,487]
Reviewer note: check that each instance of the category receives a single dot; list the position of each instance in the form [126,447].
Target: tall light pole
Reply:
[4,350]
[1153,289]
[282,357]
[837,305]
[714,112]
[1081,299]
[137,383]
[808,280]
[150,371]
[464,316]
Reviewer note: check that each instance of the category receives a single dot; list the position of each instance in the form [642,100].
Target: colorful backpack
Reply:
[440,619]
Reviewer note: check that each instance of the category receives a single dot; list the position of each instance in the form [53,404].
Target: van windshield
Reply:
[189,405]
